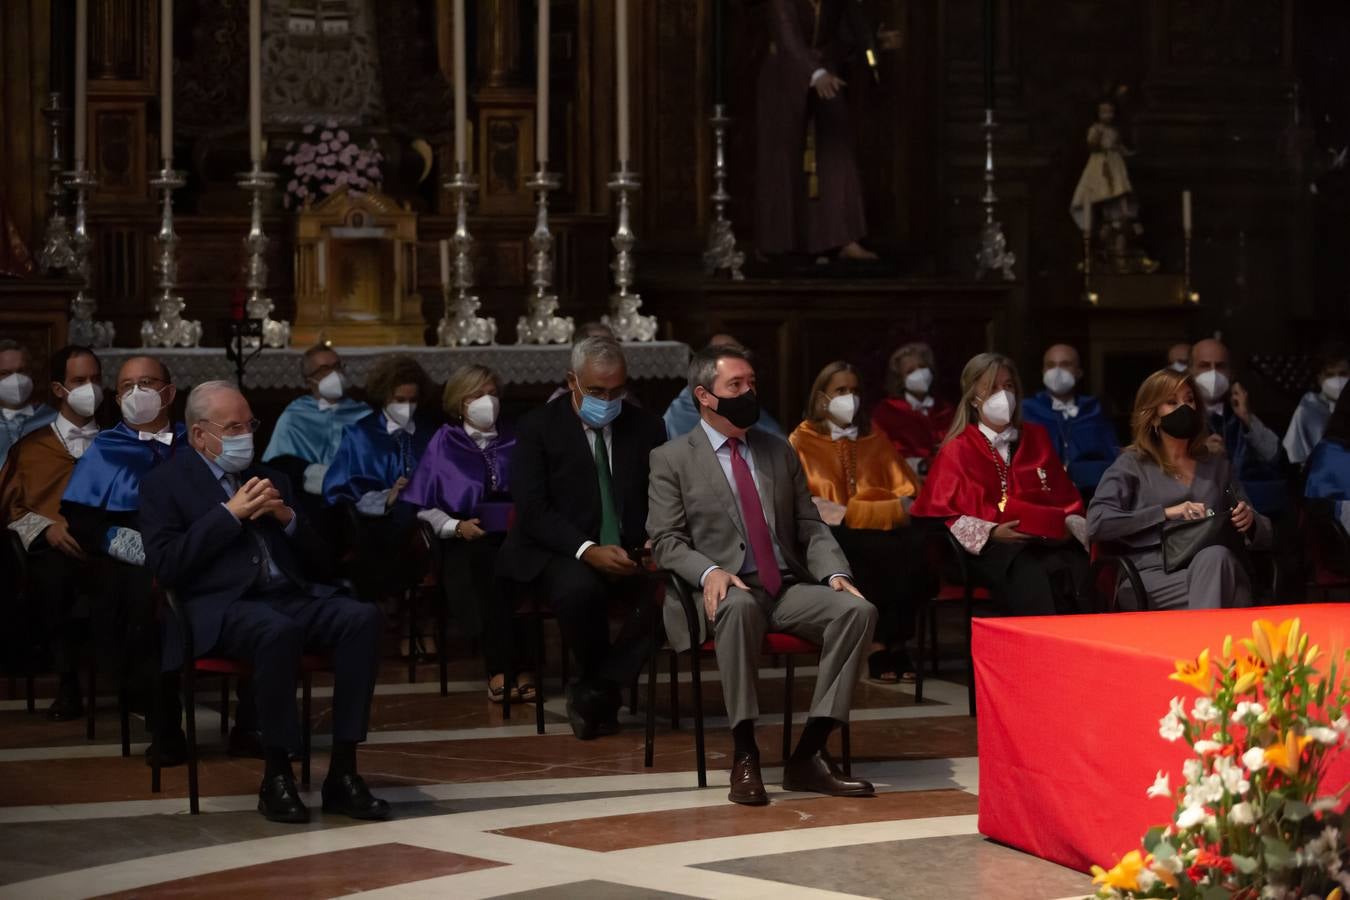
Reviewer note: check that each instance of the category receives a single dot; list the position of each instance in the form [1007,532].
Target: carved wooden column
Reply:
[505,111]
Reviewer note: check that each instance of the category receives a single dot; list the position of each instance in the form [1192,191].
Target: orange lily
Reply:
[1271,640]
[1194,672]
[1287,754]
[1124,875]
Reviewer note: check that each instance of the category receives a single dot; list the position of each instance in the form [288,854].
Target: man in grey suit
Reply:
[728,510]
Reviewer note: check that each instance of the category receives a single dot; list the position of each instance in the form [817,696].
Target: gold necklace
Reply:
[1002,468]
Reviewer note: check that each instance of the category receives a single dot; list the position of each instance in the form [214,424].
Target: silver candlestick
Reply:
[625,320]
[83,328]
[461,325]
[170,329]
[993,255]
[258,305]
[57,255]
[721,252]
[540,325]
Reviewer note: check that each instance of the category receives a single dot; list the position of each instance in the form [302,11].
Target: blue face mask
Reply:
[236,453]
[598,413]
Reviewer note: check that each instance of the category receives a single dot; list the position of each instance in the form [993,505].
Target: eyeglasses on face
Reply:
[149,382]
[237,428]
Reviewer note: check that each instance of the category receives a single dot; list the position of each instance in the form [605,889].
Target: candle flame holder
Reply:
[540,325]
[993,255]
[83,327]
[461,325]
[57,253]
[624,319]
[169,329]
[257,304]
[721,252]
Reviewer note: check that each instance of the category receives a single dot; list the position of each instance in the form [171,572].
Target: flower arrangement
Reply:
[319,167]
[1251,820]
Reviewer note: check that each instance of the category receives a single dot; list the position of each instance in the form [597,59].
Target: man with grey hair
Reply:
[224,533]
[19,416]
[579,481]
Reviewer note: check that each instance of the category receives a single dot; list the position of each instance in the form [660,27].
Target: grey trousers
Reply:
[836,620]
[1214,579]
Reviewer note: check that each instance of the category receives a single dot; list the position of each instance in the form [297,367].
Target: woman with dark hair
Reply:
[1168,475]
[909,415]
[997,484]
[863,490]
[462,491]
[1310,419]
[375,458]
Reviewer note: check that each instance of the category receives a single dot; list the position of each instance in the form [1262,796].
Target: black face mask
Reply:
[742,411]
[1181,423]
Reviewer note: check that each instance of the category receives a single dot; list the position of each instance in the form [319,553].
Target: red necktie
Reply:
[756,526]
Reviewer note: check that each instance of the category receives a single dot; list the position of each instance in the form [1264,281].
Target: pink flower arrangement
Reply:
[333,160]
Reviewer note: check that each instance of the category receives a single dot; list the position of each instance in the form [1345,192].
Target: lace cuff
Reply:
[29,526]
[124,545]
[972,533]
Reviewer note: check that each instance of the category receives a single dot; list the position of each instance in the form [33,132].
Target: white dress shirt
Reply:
[609,455]
[75,438]
[921,406]
[1002,440]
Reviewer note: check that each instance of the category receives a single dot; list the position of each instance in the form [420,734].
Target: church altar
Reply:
[515,364]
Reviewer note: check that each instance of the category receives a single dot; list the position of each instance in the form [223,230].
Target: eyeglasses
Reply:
[249,427]
[150,383]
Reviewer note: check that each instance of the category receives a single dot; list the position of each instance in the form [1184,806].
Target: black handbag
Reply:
[1182,540]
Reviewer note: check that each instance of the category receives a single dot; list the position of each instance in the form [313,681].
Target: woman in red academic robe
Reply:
[915,421]
[997,484]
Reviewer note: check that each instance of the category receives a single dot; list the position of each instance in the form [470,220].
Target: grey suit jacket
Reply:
[694,521]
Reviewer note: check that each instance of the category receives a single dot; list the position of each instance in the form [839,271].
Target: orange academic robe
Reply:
[34,478]
[866,476]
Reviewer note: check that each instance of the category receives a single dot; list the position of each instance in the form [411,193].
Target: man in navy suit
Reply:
[223,532]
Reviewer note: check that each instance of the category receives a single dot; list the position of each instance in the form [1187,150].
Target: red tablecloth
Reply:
[1068,721]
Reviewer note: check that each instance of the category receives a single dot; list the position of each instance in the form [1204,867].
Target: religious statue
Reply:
[1104,198]
[809,192]
[15,260]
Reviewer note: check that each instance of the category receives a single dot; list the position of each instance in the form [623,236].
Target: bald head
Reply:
[146,373]
[1208,355]
[725,340]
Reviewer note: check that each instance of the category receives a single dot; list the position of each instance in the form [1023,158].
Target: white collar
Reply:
[715,437]
[999,438]
[1219,409]
[916,403]
[11,414]
[1068,407]
[326,405]
[165,437]
[1326,401]
[393,427]
[481,438]
[837,433]
[68,429]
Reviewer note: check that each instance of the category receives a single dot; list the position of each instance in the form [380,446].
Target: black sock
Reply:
[744,736]
[343,760]
[814,736]
[277,761]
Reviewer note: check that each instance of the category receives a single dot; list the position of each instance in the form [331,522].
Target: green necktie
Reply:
[609,519]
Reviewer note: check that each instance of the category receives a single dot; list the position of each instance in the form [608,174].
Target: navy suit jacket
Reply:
[195,547]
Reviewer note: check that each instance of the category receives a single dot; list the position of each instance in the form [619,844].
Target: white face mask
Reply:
[1213,384]
[919,381]
[482,412]
[843,408]
[1333,386]
[15,389]
[332,386]
[400,413]
[998,409]
[1058,380]
[1179,366]
[85,399]
[141,405]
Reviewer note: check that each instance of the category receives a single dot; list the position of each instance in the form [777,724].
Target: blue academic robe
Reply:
[1086,443]
[311,434]
[1328,472]
[1264,483]
[682,415]
[12,430]
[108,476]
[369,458]
[1306,427]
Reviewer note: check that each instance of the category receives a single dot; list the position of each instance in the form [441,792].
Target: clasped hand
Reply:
[257,498]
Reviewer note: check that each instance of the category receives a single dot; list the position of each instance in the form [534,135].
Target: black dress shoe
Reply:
[818,774]
[580,714]
[279,801]
[172,752]
[349,796]
[747,787]
[65,708]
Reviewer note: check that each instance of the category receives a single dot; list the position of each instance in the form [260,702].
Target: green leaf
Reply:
[1152,837]
[1215,892]
[1296,810]
[1244,864]
[1277,853]
[1162,851]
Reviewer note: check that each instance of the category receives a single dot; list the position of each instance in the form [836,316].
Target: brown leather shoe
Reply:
[747,787]
[818,774]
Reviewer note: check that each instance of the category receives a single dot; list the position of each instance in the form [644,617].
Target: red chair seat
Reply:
[948,592]
[219,665]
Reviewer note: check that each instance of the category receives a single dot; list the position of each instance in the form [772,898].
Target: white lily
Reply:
[1254,759]
[1242,814]
[1323,735]
[1160,786]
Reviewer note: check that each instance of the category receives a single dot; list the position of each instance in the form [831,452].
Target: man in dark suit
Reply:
[579,479]
[224,534]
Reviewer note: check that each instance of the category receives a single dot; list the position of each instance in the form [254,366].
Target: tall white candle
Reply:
[166,80]
[255,81]
[461,87]
[621,75]
[323,266]
[445,262]
[541,88]
[1186,211]
[81,81]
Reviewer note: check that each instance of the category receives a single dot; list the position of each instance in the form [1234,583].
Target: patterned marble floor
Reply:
[487,808]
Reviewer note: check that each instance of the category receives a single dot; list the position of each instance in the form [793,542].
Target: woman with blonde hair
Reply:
[463,491]
[997,484]
[1167,475]
[863,490]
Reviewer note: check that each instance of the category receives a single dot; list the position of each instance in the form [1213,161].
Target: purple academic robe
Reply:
[457,478]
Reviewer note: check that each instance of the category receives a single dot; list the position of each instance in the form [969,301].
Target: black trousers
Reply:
[474,596]
[385,563]
[581,599]
[1033,579]
[56,582]
[273,630]
[126,627]
[887,567]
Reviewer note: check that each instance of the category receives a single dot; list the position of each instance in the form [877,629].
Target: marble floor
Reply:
[485,807]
